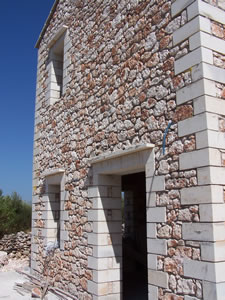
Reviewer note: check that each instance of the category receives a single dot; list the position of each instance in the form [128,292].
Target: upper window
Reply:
[56,67]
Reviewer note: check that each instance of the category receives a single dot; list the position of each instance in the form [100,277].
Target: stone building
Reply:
[129,149]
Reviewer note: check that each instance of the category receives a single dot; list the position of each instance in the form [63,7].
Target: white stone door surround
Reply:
[106,218]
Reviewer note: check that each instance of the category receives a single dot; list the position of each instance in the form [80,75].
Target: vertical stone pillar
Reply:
[106,238]
[205,23]
[155,246]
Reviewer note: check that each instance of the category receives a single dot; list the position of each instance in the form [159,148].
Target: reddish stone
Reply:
[183,112]
[36,293]
[172,297]
[170,265]
[154,60]
[121,90]
[157,18]
[166,8]
[217,30]
[169,64]
[164,42]
[177,81]
[112,139]
[142,97]
[223,93]
[222,125]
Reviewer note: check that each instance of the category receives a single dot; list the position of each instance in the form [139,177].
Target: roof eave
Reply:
[46,24]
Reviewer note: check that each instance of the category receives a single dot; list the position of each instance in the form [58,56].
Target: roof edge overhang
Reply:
[46,24]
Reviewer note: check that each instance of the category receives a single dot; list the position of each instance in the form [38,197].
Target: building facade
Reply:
[129,149]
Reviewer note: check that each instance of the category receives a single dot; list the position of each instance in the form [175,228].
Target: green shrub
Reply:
[15,214]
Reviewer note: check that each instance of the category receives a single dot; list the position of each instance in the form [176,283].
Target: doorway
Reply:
[134,242]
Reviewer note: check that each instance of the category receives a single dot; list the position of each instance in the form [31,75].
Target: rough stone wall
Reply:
[16,245]
[121,92]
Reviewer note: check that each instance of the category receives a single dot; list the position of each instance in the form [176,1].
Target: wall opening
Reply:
[56,71]
[53,234]
[134,243]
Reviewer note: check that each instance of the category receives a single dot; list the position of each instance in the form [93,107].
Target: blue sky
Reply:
[20,22]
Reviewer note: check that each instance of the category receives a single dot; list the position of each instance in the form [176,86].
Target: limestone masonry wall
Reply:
[131,68]
[16,245]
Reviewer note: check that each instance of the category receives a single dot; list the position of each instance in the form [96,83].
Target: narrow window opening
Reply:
[54,215]
[56,70]
[135,274]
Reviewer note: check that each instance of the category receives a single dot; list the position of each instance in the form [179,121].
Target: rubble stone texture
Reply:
[130,68]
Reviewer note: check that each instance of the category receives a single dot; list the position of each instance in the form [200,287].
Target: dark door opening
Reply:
[135,271]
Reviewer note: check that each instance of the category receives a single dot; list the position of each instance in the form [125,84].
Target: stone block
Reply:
[151,230]
[158,278]
[198,123]
[179,5]
[104,239]
[152,261]
[104,263]
[107,275]
[150,199]
[108,297]
[207,10]
[203,39]
[213,290]
[200,158]
[193,58]
[195,90]
[107,251]
[103,215]
[211,175]
[107,227]
[111,180]
[202,270]
[100,289]
[212,212]
[156,214]
[202,194]
[106,203]
[195,25]
[209,104]
[152,292]
[204,231]
[213,252]
[155,184]
[157,246]
[207,71]
[210,138]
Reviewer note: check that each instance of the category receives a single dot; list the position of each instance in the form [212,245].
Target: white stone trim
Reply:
[213,272]
[212,212]
[213,251]
[157,246]
[203,39]
[120,153]
[198,123]
[158,278]
[209,104]
[210,138]
[202,8]
[211,175]
[179,5]
[206,232]
[57,35]
[204,70]
[193,58]
[195,25]
[200,158]
[202,195]
[195,90]
[213,290]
